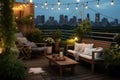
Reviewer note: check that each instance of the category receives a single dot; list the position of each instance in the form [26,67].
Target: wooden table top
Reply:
[67,60]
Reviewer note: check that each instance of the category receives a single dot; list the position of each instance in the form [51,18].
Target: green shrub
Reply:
[112,61]
[82,30]
[12,68]
[34,35]
[57,34]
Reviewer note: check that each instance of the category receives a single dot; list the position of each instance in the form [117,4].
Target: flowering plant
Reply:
[49,41]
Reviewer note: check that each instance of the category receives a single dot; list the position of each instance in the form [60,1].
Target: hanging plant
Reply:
[25,20]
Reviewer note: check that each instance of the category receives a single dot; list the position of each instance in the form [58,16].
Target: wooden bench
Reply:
[97,43]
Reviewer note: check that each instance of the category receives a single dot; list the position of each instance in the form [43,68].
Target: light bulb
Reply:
[58,2]
[112,2]
[77,0]
[46,3]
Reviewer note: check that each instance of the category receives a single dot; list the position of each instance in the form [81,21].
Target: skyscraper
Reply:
[62,20]
[97,18]
[88,16]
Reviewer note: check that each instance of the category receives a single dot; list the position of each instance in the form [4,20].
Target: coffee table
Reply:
[67,63]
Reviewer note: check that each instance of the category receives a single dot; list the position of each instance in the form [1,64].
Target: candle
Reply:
[61,54]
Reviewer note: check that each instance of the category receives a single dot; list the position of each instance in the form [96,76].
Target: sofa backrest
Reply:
[98,43]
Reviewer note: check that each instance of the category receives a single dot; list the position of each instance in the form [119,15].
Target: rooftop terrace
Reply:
[82,71]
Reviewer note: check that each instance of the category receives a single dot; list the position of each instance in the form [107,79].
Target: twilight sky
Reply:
[106,9]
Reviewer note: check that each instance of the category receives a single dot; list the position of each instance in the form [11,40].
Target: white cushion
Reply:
[72,51]
[22,40]
[18,35]
[78,47]
[89,45]
[90,57]
[32,44]
[88,51]
[39,49]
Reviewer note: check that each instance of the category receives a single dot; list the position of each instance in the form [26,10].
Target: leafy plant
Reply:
[49,41]
[11,68]
[57,34]
[82,30]
[24,20]
[117,39]
[34,35]
[112,61]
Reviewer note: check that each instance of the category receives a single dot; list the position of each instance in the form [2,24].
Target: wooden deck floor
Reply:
[82,71]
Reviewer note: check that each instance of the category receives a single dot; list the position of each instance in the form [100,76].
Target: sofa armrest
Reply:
[69,45]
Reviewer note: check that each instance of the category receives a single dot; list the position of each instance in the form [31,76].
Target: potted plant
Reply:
[50,41]
[57,37]
[83,29]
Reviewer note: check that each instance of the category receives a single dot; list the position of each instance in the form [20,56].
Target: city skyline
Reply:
[63,20]
[106,10]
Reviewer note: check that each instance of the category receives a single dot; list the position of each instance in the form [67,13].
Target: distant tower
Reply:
[116,21]
[62,20]
[88,17]
[97,18]
[66,19]
[74,20]
[42,19]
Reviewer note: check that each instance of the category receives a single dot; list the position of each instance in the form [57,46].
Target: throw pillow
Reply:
[77,46]
[89,45]
[87,51]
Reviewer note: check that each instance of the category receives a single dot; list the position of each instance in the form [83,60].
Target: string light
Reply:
[112,2]
[59,7]
[35,6]
[67,8]
[42,6]
[52,8]
[58,2]
[46,3]
[86,5]
[46,7]
[98,4]
[76,6]
[77,0]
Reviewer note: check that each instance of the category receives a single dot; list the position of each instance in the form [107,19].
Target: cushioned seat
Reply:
[28,45]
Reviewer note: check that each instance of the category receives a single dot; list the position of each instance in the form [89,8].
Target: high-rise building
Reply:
[40,20]
[104,22]
[66,19]
[43,19]
[97,18]
[88,17]
[62,20]
[51,21]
